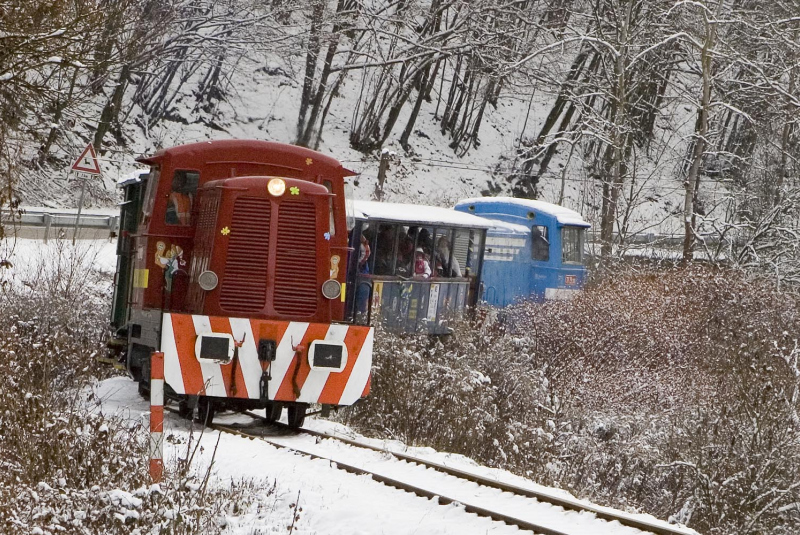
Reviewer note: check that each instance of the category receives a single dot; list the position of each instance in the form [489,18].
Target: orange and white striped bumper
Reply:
[290,371]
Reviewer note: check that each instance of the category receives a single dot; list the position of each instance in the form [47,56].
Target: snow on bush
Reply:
[672,392]
[66,466]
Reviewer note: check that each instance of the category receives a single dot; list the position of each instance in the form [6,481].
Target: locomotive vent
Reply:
[244,285]
[296,289]
[247,282]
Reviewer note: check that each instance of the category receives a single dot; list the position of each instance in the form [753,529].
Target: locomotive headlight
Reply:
[276,187]
[208,280]
[331,289]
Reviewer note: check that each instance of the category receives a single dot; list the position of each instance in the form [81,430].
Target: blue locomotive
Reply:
[534,249]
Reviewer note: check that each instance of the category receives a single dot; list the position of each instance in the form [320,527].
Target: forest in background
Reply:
[674,392]
[699,97]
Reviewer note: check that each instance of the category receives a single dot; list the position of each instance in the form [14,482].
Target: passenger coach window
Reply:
[463,247]
[446,263]
[475,248]
[179,204]
[572,245]
[385,250]
[540,249]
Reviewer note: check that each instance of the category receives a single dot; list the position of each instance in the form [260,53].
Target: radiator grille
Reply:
[244,286]
[296,288]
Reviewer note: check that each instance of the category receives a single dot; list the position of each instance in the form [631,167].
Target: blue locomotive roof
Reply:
[520,211]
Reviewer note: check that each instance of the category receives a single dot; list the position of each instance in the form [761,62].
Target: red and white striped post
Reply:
[156,416]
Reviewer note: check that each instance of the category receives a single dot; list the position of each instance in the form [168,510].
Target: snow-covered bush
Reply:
[672,392]
[473,392]
[67,467]
[681,387]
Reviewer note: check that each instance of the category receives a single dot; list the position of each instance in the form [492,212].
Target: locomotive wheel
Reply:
[273,412]
[296,413]
[144,389]
[205,411]
[184,410]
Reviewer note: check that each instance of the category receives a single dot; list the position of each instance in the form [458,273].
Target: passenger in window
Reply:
[444,266]
[405,256]
[422,265]
[424,240]
[384,261]
[541,245]
[363,255]
[421,238]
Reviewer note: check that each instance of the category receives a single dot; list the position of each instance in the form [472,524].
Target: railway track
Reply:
[529,510]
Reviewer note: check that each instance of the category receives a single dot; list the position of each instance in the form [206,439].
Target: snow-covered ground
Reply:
[28,256]
[332,501]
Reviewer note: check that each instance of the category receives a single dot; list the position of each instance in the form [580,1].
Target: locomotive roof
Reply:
[241,148]
[564,216]
[410,214]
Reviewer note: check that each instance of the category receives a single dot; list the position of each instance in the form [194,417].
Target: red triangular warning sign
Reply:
[87,161]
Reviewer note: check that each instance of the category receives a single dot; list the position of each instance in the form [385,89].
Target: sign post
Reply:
[85,167]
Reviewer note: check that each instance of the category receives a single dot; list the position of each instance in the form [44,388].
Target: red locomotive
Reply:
[231,261]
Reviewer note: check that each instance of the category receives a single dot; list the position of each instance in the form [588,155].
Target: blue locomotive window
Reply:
[572,245]
[540,247]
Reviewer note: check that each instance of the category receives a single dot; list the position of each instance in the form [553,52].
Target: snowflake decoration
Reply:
[309,161]
[294,190]
[225,231]
[327,236]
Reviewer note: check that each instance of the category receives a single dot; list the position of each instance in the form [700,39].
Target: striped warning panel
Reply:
[293,378]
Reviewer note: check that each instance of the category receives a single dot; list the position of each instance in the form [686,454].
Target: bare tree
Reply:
[44,48]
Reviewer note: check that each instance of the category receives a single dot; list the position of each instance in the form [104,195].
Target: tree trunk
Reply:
[692,178]
[423,85]
[619,139]
[61,104]
[312,54]
[111,109]
[786,135]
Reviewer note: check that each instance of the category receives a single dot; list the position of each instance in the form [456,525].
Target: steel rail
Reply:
[565,503]
[401,485]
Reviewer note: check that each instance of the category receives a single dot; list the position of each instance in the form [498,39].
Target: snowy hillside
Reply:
[646,117]
[597,107]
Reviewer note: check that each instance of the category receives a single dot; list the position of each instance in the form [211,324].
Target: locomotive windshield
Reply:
[181,198]
[572,245]
[540,248]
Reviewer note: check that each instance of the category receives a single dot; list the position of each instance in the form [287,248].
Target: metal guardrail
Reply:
[661,240]
[61,219]
[51,220]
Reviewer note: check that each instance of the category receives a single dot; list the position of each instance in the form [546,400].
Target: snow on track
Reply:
[337,502]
